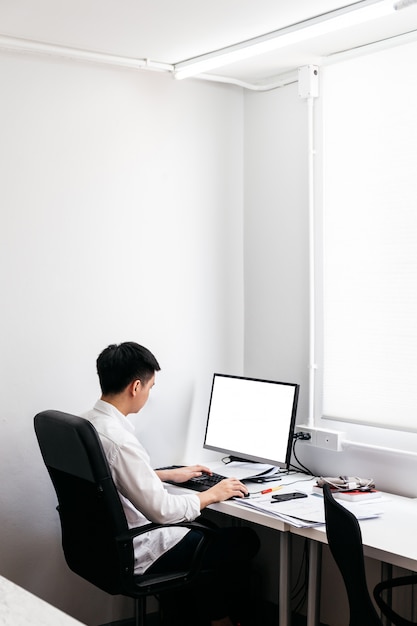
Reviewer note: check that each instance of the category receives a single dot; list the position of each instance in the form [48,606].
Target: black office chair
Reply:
[344,538]
[97,543]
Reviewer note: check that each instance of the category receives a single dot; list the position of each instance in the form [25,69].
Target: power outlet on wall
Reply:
[329,439]
[322,438]
[310,431]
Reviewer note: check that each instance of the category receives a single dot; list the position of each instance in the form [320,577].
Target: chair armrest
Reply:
[158,582]
[140,530]
[392,615]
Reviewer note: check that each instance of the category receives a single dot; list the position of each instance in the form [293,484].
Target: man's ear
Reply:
[134,387]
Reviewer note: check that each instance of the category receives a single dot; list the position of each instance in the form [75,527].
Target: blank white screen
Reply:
[252,419]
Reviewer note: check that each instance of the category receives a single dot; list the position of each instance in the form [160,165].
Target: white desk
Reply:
[18,607]
[389,539]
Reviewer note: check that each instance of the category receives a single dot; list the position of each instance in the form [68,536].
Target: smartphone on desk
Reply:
[283,497]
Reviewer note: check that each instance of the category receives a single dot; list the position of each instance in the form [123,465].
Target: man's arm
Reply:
[182,474]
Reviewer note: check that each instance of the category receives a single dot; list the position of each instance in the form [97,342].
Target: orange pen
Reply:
[271,489]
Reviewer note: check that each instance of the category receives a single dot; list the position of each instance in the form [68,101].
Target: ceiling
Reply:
[170,31]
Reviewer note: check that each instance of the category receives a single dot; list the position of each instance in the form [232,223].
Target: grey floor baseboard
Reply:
[269,617]
[152,619]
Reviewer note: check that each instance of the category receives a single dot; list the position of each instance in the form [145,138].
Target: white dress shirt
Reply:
[143,495]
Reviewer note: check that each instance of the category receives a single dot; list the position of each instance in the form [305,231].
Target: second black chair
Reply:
[345,543]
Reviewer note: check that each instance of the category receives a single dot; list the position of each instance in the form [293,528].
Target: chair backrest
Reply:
[345,542]
[89,507]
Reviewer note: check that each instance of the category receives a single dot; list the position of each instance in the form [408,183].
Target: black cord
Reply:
[304,468]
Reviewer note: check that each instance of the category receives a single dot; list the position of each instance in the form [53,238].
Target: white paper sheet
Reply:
[244,471]
[306,512]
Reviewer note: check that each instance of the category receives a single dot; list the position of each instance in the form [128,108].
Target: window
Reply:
[368,343]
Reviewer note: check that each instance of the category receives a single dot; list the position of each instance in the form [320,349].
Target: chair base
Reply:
[140,611]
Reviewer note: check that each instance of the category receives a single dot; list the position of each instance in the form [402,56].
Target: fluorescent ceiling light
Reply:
[338,19]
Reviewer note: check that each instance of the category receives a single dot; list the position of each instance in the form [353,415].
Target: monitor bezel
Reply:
[249,457]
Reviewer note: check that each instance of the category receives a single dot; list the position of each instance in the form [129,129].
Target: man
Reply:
[127,375]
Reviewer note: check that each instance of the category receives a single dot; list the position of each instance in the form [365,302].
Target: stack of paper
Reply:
[306,512]
[246,471]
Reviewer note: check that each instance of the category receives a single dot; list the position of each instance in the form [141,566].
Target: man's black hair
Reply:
[119,365]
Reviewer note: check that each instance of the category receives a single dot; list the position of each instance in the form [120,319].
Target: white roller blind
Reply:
[370,239]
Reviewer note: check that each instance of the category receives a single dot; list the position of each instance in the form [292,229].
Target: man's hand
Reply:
[182,474]
[227,488]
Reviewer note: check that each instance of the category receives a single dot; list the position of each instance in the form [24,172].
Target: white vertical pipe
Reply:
[312,302]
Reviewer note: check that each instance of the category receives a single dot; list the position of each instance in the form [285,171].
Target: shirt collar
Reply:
[112,411]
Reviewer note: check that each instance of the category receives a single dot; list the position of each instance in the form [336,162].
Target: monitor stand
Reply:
[240,459]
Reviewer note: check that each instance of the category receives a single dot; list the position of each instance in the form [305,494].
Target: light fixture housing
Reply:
[359,12]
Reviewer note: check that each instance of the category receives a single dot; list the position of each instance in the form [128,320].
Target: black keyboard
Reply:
[200,483]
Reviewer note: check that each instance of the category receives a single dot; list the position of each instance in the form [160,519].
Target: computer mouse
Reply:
[245,495]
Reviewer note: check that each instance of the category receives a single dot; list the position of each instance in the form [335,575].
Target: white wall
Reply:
[276,238]
[121,219]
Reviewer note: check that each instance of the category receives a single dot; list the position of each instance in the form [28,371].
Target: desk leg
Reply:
[314,584]
[386,574]
[413,602]
[284,580]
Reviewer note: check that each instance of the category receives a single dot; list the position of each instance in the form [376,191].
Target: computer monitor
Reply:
[252,419]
